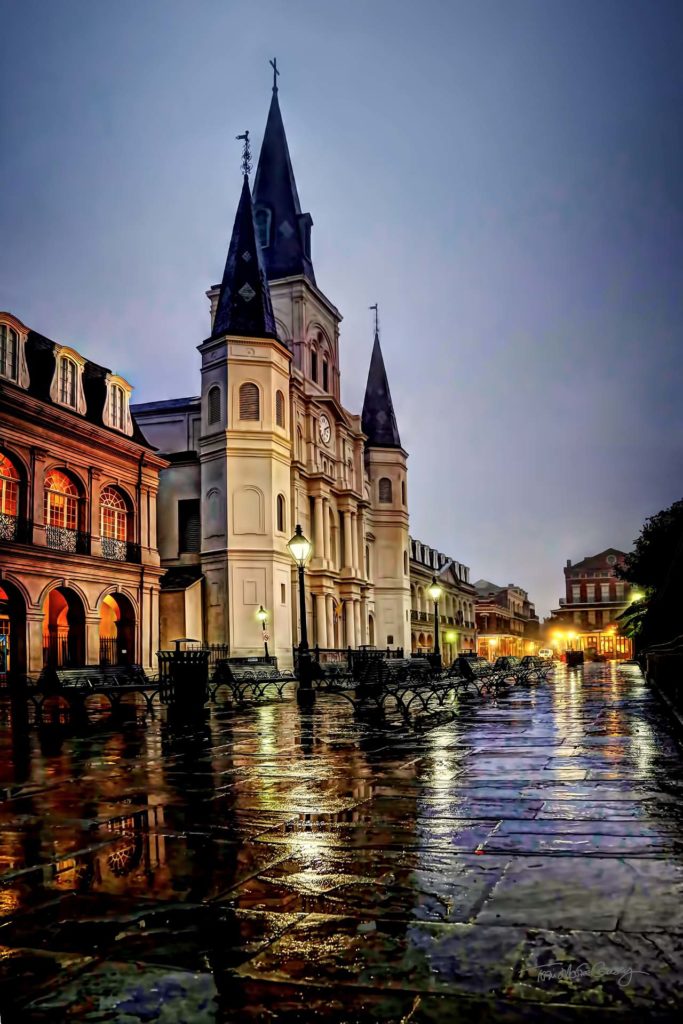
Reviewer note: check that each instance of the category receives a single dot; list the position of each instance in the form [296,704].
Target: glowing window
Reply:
[61,501]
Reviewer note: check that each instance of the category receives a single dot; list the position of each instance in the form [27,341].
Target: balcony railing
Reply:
[120,550]
[72,541]
[14,528]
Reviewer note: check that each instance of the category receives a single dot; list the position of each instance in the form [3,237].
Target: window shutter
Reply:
[385,495]
[249,402]
[214,412]
[189,525]
[279,409]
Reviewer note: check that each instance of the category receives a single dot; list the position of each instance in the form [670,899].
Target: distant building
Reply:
[457,629]
[79,567]
[507,623]
[586,619]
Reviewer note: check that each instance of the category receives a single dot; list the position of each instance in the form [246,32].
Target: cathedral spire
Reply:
[379,419]
[284,231]
[244,305]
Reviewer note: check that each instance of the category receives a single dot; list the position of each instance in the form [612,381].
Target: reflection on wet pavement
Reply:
[520,860]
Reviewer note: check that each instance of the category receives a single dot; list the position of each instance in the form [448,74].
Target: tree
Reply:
[655,566]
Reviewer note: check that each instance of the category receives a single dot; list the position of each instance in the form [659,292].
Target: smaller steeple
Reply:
[244,306]
[379,419]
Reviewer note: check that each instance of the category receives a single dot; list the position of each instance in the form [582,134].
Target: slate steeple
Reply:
[379,419]
[244,306]
[284,231]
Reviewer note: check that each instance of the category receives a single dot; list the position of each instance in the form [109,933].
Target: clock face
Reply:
[325,429]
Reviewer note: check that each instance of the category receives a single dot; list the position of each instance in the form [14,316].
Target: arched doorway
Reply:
[12,631]
[371,629]
[63,629]
[117,631]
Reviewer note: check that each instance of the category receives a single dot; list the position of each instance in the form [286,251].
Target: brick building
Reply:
[507,623]
[79,568]
[586,618]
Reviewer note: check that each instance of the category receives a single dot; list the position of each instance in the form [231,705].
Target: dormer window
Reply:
[118,405]
[117,411]
[67,381]
[9,352]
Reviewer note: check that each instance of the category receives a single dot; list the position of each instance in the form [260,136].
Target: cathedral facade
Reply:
[267,445]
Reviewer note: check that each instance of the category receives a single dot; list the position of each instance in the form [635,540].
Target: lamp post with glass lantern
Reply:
[300,548]
[435,590]
[262,616]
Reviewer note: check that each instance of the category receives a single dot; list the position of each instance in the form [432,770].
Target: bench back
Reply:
[506,663]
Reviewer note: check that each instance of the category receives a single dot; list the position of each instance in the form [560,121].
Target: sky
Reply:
[504,177]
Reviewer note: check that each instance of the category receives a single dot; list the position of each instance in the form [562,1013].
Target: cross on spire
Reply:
[246,153]
[376,311]
[273,64]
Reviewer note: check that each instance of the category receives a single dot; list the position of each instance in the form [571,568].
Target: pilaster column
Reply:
[326,530]
[330,622]
[361,544]
[319,550]
[320,618]
[92,639]
[34,642]
[354,544]
[348,544]
[356,622]
[363,620]
[350,625]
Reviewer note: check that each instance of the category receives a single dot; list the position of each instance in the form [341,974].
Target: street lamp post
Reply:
[262,615]
[435,590]
[300,548]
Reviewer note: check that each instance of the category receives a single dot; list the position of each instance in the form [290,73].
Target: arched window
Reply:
[9,498]
[263,217]
[405,563]
[299,444]
[113,524]
[314,364]
[280,513]
[367,562]
[117,400]
[385,492]
[61,511]
[214,404]
[9,352]
[279,409]
[403,493]
[67,381]
[325,375]
[249,402]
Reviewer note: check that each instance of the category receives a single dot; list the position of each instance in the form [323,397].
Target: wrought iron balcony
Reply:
[70,541]
[120,550]
[14,528]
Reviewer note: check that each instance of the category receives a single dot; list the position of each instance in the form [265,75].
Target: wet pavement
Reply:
[514,860]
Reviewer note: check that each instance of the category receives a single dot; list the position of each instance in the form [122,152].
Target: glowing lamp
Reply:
[300,548]
[435,590]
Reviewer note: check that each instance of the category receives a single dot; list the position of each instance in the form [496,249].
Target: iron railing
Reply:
[60,648]
[120,550]
[72,541]
[14,528]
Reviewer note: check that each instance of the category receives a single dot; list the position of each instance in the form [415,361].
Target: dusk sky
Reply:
[504,178]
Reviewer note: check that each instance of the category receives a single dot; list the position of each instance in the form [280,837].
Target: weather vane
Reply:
[375,308]
[273,64]
[246,153]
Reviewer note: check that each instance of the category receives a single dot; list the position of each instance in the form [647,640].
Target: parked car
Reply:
[545,652]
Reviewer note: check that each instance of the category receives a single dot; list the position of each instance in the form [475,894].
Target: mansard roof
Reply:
[244,306]
[286,230]
[379,419]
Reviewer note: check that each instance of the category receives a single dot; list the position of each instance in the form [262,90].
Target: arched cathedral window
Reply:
[279,409]
[385,491]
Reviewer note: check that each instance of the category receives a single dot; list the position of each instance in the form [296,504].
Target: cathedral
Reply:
[268,445]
